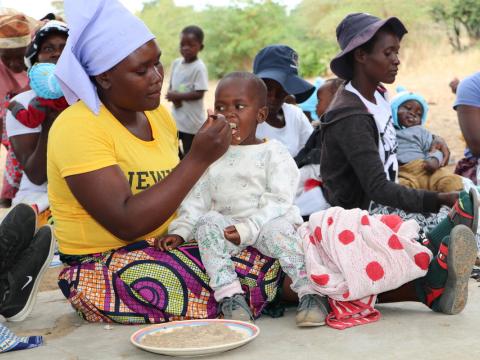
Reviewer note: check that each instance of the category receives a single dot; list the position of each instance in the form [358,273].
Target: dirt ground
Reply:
[49,281]
[422,71]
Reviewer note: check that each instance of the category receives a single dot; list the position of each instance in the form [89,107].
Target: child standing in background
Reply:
[188,83]
[419,168]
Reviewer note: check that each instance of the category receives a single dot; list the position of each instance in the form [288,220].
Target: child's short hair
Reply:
[260,87]
[195,31]
[334,84]
[403,96]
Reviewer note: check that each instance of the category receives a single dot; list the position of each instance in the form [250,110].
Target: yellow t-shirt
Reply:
[80,142]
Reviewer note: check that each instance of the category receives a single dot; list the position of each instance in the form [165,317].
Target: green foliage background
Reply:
[461,20]
[235,33]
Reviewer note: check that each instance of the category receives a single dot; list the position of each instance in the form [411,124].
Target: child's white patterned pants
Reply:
[277,239]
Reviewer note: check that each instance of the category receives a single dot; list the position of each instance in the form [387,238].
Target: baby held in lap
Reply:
[246,199]
[420,168]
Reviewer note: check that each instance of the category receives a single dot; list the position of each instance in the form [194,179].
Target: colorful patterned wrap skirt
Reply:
[138,284]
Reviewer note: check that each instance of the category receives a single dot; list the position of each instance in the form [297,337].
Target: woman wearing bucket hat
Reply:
[359,166]
[277,66]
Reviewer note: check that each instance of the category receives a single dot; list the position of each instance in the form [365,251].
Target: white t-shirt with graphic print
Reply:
[387,139]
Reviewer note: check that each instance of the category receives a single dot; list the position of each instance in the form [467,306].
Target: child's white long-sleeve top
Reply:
[252,184]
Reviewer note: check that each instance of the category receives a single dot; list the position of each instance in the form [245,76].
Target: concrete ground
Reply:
[405,331]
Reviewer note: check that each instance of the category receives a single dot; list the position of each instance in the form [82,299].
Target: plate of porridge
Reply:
[194,337]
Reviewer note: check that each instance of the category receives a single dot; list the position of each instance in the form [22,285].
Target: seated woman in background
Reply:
[359,164]
[14,39]
[467,106]
[29,141]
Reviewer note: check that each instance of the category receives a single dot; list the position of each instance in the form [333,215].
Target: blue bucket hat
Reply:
[403,96]
[280,63]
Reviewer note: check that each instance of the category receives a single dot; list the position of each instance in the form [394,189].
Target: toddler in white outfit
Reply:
[246,199]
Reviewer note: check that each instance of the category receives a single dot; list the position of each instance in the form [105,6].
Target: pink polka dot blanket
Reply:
[351,257]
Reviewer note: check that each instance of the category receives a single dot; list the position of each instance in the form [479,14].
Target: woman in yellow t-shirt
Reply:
[114,178]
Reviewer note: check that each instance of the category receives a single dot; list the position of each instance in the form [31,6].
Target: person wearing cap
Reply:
[277,66]
[115,180]
[14,37]
[359,163]
[29,143]
[419,168]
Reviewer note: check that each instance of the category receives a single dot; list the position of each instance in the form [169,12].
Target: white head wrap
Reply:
[102,34]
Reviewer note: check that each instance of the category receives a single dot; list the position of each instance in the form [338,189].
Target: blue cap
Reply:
[402,96]
[280,63]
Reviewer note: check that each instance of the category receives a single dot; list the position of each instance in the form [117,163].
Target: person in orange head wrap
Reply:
[15,35]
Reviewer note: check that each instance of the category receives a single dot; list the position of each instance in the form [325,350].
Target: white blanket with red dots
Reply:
[351,256]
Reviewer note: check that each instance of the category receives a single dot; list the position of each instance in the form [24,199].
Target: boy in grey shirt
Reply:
[188,83]
[419,168]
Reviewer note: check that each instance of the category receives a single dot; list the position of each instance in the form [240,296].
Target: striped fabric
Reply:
[346,314]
